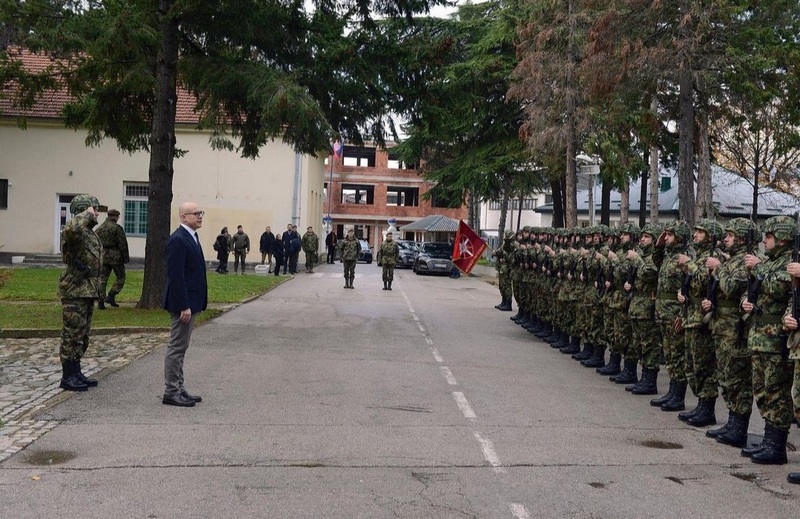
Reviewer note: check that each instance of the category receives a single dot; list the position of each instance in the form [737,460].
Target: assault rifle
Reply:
[610,277]
[633,272]
[796,281]
[573,269]
[600,280]
[711,287]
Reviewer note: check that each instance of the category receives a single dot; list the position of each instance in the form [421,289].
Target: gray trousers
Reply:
[179,336]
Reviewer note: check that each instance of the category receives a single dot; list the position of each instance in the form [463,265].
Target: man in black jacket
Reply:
[330,243]
[266,245]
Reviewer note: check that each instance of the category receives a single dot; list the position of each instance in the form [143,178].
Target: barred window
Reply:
[135,211]
[3,193]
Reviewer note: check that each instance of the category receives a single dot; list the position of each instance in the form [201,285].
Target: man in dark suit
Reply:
[185,295]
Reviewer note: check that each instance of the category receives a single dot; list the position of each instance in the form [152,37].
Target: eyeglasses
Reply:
[198,214]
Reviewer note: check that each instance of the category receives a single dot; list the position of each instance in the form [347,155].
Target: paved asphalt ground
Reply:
[422,402]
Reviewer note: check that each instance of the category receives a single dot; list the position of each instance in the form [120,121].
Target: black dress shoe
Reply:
[178,400]
[193,398]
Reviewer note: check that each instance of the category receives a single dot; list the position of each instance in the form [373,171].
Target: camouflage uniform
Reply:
[349,248]
[503,266]
[388,254]
[310,245]
[115,256]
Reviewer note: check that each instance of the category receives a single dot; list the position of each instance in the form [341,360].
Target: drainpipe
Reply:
[298,172]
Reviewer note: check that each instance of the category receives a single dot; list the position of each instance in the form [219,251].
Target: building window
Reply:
[528,204]
[135,209]
[362,194]
[3,193]
[358,156]
[402,196]
[394,162]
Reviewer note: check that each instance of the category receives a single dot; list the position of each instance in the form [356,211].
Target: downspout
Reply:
[298,168]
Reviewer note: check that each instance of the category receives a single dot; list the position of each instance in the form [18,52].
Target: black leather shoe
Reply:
[178,400]
[194,398]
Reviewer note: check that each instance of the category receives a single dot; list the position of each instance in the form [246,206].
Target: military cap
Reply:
[782,227]
[113,212]
[740,227]
[712,228]
[81,203]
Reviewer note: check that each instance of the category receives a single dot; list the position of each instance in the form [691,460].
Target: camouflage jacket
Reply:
[698,286]
[82,252]
[643,302]
[115,243]
[310,243]
[388,253]
[766,332]
[621,264]
[670,276]
[349,249]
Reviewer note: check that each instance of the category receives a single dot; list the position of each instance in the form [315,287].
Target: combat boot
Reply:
[678,400]
[386,285]
[588,350]
[505,308]
[774,452]
[517,316]
[597,359]
[389,287]
[793,478]
[574,346]
[685,415]
[705,413]
[736,434]
[649,383]
[101,305]
[111,299]
[351,281]
[628,374]
[554,336]
[714,433]
[83,378]
[561,341]
[612,368]
[658,402]
[69,380]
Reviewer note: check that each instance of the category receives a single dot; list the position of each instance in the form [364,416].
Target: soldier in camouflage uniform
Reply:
[115,256]
[672,243]
[791,324]
[515,262]
[729,331]
[504,271]
[587,295]
[596,335]
[78,289]
[701,363]
[646,337]
[772,370]
[349,248]
[618,303]
[388,255]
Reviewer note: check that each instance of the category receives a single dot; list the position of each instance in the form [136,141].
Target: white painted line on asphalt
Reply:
[436,355]
[490,454]
[429,341]
[519,511]
[461,402]
[317,274]
[448,375]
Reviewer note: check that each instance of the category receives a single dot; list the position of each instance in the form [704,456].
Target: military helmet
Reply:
[81,203]
[782,227]
[712,228]
[653,229]
[508,235]
[680,229]
[630,228]
[741,226]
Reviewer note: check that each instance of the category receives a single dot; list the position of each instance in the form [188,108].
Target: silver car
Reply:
[434,258]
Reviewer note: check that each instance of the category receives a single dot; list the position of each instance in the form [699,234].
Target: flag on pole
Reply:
[467,248]
[337,149]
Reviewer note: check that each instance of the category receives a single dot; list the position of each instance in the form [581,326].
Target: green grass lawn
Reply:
[30,299]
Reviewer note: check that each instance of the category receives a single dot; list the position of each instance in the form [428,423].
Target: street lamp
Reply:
[590,166]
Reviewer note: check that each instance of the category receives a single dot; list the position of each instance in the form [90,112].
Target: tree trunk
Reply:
[655,175]
[686,142]
[605,203]
[570,181]
[643,198]
[162,153]
[625,202]
[705,200]
[558,206]
[501,225]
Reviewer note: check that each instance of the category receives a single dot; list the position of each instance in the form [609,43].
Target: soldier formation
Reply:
[706,302]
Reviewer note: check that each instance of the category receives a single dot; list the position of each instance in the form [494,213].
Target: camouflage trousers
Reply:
[349,269]
[734,371]
[674,345]
[647,342]
[796,390]
[516,287]
[701,363]
[119,274]
[388,273]
[620,333]
[596,333]
[312,260]
[76,315]
[504,282]
[772,387]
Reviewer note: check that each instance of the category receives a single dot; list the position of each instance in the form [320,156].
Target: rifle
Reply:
[796,281]
[711,287]
[610,277]
[600,280]
[585,271]
[633,272]
[573,269]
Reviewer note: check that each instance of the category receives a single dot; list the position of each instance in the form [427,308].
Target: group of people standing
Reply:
[705,300]
[277,250]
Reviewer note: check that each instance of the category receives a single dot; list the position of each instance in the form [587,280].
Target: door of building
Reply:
[62,217]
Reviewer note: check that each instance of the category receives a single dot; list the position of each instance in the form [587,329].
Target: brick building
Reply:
[367,187]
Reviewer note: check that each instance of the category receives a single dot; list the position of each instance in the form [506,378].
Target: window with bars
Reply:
[3,193]
[135,209]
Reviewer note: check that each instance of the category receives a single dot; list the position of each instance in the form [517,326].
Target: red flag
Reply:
[467,248]
[337,149]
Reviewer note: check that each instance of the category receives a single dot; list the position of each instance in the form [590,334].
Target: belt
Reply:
[728,303]
[769,319]
[668,297]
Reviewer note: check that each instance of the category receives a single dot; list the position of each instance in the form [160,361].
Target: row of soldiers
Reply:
[705,301]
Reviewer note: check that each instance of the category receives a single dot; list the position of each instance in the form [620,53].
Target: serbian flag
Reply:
[467,248]
[337,149]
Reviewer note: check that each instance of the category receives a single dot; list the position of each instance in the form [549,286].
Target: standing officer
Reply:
[115,256]
[78,288]
[387,257]
[310,244]
[241,247]
[348,251]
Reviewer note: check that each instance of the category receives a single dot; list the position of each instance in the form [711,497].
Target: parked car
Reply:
[408,252]
[434,258]
[366,253]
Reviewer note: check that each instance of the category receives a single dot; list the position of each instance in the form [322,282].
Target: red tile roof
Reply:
[51,103]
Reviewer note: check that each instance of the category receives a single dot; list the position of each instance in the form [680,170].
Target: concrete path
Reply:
[419,402]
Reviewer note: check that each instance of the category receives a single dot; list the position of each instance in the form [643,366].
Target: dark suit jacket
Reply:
[186,274]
